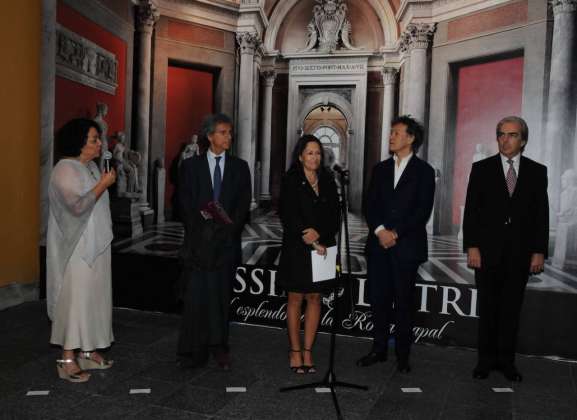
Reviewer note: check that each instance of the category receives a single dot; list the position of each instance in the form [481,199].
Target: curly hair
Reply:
[72,136]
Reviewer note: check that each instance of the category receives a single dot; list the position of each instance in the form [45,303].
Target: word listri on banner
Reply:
[445,314]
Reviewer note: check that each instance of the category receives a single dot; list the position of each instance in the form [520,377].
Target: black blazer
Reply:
[301,208]
[208,244]
[406,208]
[492,217]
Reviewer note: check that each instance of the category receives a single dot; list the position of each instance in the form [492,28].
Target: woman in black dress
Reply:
[309,216]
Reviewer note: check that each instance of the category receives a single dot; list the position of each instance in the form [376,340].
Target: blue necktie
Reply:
[217,182]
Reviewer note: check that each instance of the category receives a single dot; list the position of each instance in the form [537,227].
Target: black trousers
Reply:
[391,286]
[205,314]
[500,292]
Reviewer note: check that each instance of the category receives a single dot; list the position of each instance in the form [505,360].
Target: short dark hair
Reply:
[414,128]
[209,124]
[72,136]
[522,127]
[300,148]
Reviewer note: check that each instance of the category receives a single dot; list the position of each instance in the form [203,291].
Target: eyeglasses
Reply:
[513,135]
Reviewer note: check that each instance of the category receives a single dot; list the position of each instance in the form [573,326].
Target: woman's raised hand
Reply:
[108,178]
[310,235]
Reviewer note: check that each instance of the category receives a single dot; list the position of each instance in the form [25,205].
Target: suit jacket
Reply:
[207,244]
[301,208]
[406,208]
[496,223]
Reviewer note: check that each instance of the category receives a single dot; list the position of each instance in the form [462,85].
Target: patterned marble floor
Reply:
[262,241]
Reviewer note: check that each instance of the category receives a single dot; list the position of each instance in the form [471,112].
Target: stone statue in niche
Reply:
[190,150]
[101,112]
[126,162]
[329,27]
[566,236]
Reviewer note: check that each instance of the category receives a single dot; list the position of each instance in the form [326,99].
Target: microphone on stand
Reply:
[340,170]
[344,174]
[107,156]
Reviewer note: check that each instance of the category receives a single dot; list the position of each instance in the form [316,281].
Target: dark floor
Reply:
[145,359]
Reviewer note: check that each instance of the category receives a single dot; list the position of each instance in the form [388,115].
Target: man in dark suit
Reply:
[211,250]
[398,206]
[505,236]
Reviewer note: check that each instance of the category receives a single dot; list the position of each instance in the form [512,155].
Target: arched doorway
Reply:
[330,126]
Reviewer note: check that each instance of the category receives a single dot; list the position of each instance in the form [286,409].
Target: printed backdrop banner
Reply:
[446,314]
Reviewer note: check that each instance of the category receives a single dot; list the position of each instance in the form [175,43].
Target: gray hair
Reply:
[520,122]
[210,122]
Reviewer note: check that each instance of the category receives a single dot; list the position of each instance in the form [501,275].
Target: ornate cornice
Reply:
[146,14]
[404,42]
[563,6]
[419,35]
[269,77]
[248,42]
[389,75]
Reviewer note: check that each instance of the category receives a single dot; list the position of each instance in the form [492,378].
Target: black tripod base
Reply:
[330,382]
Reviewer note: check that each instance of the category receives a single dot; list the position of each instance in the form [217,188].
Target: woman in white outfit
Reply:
[79,291]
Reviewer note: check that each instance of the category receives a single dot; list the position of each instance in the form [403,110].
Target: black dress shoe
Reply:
[512,374]
[372,358]
[480,373]
[403,367]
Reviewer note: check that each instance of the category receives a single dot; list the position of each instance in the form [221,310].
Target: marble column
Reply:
[405,40]
[248,43]
[420,35]
[265,149]
[389,78]
[561,114]
[48,94]
[147,16]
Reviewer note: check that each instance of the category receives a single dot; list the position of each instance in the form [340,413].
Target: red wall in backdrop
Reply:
[189,97]
[486,93]
[75,100]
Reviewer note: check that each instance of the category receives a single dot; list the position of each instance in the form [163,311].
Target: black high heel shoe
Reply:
[309,368]
[296,369]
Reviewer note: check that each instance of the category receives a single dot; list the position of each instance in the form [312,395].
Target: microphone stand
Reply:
[330,380]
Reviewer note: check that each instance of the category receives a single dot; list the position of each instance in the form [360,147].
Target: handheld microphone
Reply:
[107,156]
[339,169]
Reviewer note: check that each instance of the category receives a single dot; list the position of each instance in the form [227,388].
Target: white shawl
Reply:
[75,215]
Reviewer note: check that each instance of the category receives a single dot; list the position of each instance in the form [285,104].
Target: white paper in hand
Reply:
[324,266]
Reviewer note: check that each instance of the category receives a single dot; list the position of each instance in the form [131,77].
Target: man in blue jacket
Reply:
[399,204]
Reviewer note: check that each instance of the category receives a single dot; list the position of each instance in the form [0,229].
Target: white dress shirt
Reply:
[212,164]
[516,159]
[400,166]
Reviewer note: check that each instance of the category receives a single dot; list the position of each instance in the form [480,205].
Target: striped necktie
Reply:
[511,177]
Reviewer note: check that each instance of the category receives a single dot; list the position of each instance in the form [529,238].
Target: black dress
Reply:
[300,208]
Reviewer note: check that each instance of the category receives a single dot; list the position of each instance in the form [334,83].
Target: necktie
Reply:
[511,177]
[217,180]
